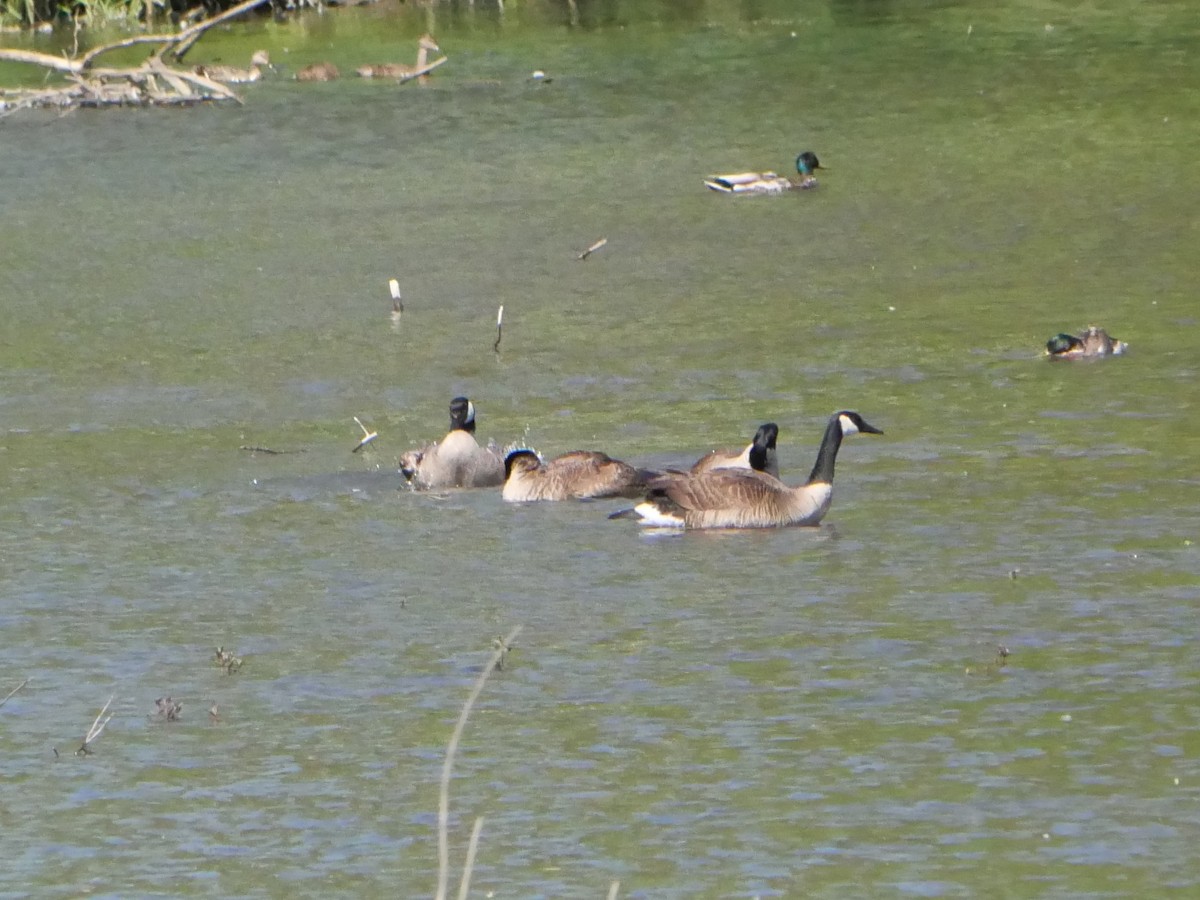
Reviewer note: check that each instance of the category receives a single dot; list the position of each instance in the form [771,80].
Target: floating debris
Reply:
[592,249]
[368,436]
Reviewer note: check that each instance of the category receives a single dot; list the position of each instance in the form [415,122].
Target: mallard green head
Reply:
[1063,343]
[806,162]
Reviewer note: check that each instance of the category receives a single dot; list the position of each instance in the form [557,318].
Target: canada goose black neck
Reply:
[462,415]
[763,446]
[840,424]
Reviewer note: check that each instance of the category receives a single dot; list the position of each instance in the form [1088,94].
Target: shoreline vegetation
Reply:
[159,80]
[155,81]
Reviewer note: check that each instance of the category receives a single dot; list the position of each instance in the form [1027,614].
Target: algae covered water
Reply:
[820,712]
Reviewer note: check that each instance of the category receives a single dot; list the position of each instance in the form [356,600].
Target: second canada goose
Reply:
[235,74]
[735,498]
[319,71]
[759,454]
[401,70]
[457,460]
[578,475]
[768,182]
[1093,342]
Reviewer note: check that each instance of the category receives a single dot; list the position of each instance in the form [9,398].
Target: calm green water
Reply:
[811,713]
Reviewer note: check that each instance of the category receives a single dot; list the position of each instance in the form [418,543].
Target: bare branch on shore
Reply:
[91,85]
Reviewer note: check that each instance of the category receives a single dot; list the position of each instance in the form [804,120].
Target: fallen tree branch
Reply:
[92,85]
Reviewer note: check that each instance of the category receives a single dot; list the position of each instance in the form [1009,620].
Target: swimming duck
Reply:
[1093,342]
[759,454]
[457,460]
[578,475]
[319,71]
[425,45]
[768,182]
[235,75]
[735,498]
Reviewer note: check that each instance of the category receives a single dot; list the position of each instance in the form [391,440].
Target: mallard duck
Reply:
[759,454]
[768,182]
[319,71]
[457,460]
[425,46]
[736,498]
[578,475]
[235,75]
[1093,342]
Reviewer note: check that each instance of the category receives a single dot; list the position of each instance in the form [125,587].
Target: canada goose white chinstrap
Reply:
[456,460]
[578,475]
[736,498]
[759,454]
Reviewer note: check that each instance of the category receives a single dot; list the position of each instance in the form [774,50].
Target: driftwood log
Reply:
[154,82]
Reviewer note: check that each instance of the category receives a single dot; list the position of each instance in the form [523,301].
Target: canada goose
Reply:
[319,71]
[759,454]
[578,475]
[1093,342]
[735,498]
[234,74]
[768,182]
[402,70]
[456,460]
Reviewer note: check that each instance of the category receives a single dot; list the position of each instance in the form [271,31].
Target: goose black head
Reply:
[522,460]
[852,423]
[462,415]
[763,446]
[806,162]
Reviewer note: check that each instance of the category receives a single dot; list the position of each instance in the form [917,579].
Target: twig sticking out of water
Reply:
[13,691]
[266,450]
[448,766]
[499,328]
[592,249]
[368,436]
[97,727]
[464,887]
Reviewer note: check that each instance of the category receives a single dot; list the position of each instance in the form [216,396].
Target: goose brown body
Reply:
[425,45]
[236,74]
[578,475]
[736,498]
[457,460]
[319,71]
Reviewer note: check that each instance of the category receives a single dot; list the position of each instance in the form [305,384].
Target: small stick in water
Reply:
[13,691]
[592,249]
[499,328]
[368,436]
[397,305]
[94,731]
